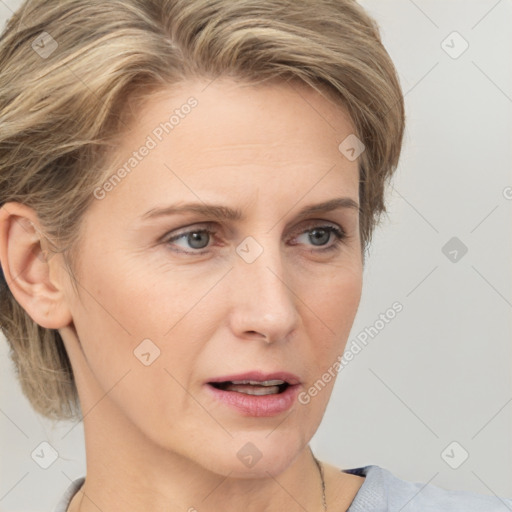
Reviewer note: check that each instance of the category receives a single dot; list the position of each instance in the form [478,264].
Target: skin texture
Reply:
[156,439]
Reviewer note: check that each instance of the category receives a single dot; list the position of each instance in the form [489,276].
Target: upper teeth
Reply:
[259,383]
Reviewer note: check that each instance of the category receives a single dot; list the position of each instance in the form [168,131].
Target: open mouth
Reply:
[253,387]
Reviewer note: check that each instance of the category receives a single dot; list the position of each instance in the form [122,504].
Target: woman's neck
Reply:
[126,471]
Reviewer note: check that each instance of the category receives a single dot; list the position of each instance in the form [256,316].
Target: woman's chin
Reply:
[253,457]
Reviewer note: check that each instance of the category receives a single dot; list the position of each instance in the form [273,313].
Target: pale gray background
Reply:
[440,371]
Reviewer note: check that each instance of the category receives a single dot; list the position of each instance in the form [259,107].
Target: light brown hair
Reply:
[62,98]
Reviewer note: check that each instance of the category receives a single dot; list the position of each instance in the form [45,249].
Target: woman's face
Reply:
[212,257]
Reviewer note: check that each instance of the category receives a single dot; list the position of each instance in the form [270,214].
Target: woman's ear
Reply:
[35,281]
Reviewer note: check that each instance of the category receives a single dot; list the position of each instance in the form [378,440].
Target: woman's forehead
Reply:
[226,101]
[236,140]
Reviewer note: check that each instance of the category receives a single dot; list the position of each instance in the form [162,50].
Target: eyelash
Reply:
[339,234]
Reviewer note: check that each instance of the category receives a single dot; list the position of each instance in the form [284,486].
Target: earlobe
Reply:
[26,268]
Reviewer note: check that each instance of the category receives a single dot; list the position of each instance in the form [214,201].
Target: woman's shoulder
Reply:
[66,498]
[383,491]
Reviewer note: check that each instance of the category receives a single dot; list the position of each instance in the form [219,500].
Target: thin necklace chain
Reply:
[321,470]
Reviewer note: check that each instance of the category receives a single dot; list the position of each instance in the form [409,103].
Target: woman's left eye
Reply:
[318,236]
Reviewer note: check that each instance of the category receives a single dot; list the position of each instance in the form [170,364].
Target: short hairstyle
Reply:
[69,68]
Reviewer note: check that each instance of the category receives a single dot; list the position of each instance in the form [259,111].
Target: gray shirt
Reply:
[383,492]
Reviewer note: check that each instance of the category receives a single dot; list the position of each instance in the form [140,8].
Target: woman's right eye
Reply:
[194,240]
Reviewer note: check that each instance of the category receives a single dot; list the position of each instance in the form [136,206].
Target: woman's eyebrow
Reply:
[221,212]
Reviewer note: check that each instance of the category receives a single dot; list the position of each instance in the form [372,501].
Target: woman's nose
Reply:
[263,303]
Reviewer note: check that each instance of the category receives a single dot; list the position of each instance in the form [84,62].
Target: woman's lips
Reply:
[256,405]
